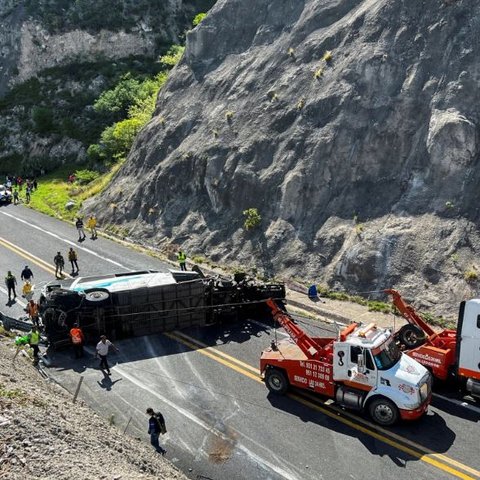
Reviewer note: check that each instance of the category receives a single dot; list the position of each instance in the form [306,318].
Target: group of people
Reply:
[15,185]
[11,282]
[59,262]
[91,225]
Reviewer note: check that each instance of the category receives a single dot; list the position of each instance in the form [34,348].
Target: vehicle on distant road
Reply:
[5,194]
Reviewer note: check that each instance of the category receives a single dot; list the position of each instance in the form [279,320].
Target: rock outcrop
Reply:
[352,126]
[60,56]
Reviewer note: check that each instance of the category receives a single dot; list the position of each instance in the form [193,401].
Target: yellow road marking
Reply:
[29,256]
[424,454]
[217,352]
[215,357]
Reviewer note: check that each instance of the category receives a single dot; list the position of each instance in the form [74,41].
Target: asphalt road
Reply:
[221,421]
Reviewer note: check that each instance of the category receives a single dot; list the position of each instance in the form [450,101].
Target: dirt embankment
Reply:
[43,435]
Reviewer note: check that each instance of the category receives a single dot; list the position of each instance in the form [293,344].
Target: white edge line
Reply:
[69,242]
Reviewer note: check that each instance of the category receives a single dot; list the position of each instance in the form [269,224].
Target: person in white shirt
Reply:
[102,351]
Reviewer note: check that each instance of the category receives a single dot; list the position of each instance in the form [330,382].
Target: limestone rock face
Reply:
[362,162]
[28,45]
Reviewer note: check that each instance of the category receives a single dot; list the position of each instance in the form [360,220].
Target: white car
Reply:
[5,194]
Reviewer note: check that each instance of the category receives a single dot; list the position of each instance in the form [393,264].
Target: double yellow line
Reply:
[29,256]
[405,445]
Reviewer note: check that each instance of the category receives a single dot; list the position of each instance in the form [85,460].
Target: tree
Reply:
[42,119]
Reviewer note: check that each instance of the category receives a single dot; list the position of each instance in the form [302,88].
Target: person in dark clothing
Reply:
[27,274]
[81,232]
[10,282]
[59,262]
[156,426]
[35,184]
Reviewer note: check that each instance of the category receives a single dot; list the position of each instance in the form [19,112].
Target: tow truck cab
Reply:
[368,366]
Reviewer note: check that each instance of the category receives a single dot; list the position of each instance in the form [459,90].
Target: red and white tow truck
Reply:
[362,369]
[448,354]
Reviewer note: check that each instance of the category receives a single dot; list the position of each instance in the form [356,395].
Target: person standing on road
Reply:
[59,262]
[26,275]
[182,260]
[28,191]
[81,232]
[15,197]
[72,258]
[102,352]
[10,282]
[77,337]
[156,426]
[92,225]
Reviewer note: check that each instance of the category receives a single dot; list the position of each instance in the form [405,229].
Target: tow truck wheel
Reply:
[383,411]
[276,381]
[411,336]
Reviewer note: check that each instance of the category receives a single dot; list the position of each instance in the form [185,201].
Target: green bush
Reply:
[471,276]
[173,56]
[252,218]
[83,177]
[198,18]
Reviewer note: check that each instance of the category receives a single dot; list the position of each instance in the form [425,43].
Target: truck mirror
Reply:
[361,363]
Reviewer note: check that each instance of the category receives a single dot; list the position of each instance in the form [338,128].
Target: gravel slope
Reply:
[44,435]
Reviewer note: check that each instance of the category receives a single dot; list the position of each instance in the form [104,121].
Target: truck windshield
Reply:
[388,356]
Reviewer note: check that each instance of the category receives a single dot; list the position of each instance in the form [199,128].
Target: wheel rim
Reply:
[411,337]
[384,413]
[276,382]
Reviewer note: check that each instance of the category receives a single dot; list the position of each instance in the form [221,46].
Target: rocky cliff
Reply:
[352,126]
[61,55]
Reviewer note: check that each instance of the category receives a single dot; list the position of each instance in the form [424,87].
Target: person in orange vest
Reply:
[32,310]
[77,338]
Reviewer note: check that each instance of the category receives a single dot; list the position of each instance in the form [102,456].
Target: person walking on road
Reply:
[10,282]
[81,232]
[77,337]
[92,225]
[59,262]
[182,260]
[156,426]
[26,275]
[72,258]
[32,310]
[102,351]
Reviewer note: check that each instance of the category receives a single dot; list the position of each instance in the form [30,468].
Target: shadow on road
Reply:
[418,432]
[153,346]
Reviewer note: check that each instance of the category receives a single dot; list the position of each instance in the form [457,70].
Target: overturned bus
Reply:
[147,302]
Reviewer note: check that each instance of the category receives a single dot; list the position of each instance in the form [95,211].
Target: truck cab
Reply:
[370,369]
[468,345]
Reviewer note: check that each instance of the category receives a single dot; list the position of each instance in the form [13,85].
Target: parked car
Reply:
[5,194]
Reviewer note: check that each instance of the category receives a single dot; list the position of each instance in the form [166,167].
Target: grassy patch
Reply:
[6,393]
[54,192]
[383,307]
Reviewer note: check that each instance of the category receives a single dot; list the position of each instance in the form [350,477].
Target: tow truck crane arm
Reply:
[306,344]
[409,313]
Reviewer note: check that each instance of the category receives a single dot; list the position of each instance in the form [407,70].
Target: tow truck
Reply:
[362,369]
[449,354]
